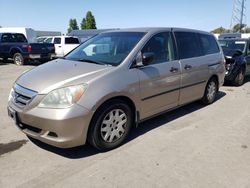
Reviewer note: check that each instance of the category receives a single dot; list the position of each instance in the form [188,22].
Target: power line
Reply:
[238,15]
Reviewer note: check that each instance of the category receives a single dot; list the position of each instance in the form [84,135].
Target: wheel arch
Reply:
[13,51]
[125,99]
[244,65]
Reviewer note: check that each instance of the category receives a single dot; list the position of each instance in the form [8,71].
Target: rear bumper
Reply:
[63,128]
[39,56]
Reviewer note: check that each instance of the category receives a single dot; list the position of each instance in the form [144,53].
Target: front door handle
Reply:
[174,70]
[187,67]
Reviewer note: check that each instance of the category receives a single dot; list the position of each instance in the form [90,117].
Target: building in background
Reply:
[48,33]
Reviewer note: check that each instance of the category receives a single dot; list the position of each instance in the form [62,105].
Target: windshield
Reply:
[107,48]
[232,45]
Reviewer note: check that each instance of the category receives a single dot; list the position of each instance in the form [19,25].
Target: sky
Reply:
[54,15]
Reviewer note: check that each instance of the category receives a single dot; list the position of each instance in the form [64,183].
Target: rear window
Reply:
[188,45]
[71,40]
[208,44]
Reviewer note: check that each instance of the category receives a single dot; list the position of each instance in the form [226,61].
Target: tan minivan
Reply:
[114,81]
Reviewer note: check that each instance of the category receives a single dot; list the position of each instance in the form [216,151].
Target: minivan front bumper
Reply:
[63,128]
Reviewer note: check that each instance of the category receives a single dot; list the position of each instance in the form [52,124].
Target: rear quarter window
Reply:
[71,40]
[188,45]
[19,38]
[208,44]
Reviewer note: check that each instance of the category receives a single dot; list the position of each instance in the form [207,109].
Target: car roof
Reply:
[155,29]
[63,36]
[11,33]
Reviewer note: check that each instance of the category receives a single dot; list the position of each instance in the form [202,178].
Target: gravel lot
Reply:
[194,146]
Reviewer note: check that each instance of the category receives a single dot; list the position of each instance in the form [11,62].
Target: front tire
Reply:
[210,92]
[110,125]
[18,59]
[239,79]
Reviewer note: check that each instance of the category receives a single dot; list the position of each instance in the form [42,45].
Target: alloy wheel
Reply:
[113,125]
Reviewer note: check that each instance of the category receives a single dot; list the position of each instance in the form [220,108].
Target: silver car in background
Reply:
[114,81]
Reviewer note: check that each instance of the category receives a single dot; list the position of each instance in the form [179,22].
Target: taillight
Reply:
[29,48]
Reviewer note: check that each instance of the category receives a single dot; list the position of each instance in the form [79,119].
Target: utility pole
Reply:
[238,15]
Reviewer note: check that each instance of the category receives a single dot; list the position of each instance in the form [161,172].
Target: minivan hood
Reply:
[60,73]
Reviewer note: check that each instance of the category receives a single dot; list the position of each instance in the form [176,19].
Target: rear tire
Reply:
[110,125]
[210,92]
[18,59]
[239,79]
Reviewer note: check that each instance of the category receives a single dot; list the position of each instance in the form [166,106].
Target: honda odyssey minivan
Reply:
[114,81]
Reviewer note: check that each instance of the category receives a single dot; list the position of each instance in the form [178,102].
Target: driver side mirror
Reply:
[143,59]
[147,58]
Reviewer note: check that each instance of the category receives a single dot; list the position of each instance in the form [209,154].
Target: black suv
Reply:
[237,55]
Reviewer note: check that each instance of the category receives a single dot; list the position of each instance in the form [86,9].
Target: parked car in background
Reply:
[237,54]
[131,76]
[41,39]
[63,44]
[16,46]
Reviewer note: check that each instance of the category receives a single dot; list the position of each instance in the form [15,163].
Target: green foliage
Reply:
[239,28]
[83,24]
[72,25]
[219,30]
[236,29]
[89,21]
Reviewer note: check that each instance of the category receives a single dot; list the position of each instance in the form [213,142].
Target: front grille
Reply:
[22,96]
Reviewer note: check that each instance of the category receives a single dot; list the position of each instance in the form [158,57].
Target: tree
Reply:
[220,30]
[89,21]
[83,24]
[72,25]
[239,28]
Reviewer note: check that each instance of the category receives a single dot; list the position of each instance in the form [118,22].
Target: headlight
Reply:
[11,94]
[63,97]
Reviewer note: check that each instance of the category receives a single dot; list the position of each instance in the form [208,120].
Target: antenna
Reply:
[238,16]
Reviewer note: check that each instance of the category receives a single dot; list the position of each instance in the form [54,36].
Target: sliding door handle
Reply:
[174,70]
[187,67]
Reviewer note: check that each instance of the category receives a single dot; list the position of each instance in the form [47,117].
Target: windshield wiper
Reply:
[92,61]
